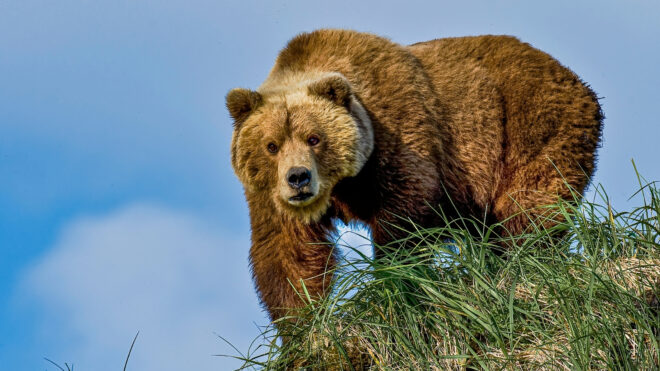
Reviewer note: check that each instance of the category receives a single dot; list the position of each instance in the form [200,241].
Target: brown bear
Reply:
[352,126]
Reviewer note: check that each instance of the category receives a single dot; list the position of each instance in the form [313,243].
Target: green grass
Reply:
[582,295]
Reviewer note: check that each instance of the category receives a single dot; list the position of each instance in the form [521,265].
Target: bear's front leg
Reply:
[287,253]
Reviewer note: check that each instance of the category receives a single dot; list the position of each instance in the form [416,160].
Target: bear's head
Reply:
[296,138]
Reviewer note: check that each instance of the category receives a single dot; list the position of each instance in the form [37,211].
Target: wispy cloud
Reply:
[170,275]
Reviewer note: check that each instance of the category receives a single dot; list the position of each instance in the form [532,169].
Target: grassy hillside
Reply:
[582,295]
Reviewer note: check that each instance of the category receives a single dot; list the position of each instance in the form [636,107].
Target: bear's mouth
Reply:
[300,197]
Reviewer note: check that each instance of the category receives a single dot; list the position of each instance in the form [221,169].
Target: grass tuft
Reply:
[581,295]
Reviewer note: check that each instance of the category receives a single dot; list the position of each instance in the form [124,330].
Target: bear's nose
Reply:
[298,177]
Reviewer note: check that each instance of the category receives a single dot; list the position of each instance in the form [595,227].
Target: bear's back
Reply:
[517,101]
[530,83]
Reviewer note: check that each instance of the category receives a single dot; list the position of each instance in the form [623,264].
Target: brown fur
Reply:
[488,122]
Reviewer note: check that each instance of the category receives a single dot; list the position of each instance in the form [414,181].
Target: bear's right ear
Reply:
[334,87]
[240,102]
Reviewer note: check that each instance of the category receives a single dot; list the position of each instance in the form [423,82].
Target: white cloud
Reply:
[172,276]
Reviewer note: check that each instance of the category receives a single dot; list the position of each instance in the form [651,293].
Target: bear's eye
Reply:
[272,147]
[313,140]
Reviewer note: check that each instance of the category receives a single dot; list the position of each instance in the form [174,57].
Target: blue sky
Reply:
[119,210]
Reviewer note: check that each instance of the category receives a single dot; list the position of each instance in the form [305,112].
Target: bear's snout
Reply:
[298,177]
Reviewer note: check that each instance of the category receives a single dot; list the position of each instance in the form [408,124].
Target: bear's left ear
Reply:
[334,88]
[240,102]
